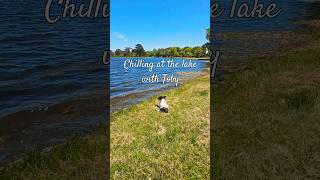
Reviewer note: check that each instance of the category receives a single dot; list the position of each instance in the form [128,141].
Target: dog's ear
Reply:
[161,97]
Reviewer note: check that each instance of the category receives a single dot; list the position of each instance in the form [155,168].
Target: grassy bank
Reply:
[80,158]
[148,144]
[145,143]
[267,119]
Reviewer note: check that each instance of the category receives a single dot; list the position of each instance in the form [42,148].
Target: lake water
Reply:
[125,82]
[242,39]
[292,12]
[52,82]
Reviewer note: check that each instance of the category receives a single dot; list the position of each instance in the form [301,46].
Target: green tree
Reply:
[198,52]
[189,54]
[188,51]
[118,52]
[167,52]
[127,51]
[155,52]
[175,52]
[162,52]
[139,50]
[111,53]
[149,54]
[182,53]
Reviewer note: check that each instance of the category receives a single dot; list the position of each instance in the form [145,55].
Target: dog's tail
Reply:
[166,110]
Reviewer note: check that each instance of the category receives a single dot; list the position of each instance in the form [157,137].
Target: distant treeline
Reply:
[138,51]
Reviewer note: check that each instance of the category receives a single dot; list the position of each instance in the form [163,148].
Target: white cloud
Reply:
[120,36]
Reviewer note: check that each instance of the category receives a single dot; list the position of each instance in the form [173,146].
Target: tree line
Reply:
[138,51]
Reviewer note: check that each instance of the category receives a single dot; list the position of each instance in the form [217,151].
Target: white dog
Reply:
[163,106]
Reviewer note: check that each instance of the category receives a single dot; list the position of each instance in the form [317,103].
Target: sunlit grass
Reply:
[145,143]
[148,144]
[266,126]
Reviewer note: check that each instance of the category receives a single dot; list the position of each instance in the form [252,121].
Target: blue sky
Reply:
[158,23]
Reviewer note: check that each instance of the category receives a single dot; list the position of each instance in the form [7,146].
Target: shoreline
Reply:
[137,97]
[146,136]
[10,171]
[124,139]
[61,113]
[191,58]
[51,157]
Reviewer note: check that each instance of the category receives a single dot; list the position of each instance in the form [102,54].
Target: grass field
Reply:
[144,142]
[148,144]
[266,126]
[80,158]
[267,119]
